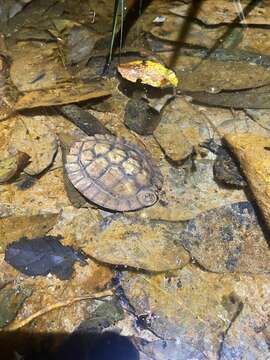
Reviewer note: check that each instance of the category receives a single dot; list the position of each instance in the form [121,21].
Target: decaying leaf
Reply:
[43,255]
[148,72]
[12,165]
[34,137]
[16,227]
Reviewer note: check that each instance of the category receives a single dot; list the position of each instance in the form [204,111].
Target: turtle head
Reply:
[147,197]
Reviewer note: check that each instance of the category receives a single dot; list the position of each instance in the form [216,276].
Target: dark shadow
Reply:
[77,346]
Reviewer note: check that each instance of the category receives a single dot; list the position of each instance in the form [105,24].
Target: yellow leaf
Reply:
[148,72]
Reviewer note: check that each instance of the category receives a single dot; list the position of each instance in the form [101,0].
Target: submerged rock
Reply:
[140,117]
[33,136]
[187,193]
[253,154]
[225,168]
[228,239]
[180,130]
[148,245]
[197,309]
[16,227]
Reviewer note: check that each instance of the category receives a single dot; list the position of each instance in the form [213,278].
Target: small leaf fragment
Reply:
[148,72]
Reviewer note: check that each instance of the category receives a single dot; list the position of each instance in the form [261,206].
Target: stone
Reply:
[199,309]
[228,239]
[12,166]
[32,136]
[11,300]
[140,244]
[15,227]
[140,117]
[180,130]
[253,153]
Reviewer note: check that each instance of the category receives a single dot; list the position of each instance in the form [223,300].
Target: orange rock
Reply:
[253,153]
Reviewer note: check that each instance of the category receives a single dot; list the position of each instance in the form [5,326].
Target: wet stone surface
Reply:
[196,308]
[191,272]
[148,245]
[228,239]
[180,130]
[140,117]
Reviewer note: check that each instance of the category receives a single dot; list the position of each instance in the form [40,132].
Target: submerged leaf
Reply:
[148,72]
[43,255]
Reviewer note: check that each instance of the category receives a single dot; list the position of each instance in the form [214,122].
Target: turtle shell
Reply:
[113,173]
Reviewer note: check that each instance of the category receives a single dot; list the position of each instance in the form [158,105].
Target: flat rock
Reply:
[197,34]
[214,76]
[181,129]
[75,225]
[15,227]
[196,308]
[187,193]
[47,195]
[253,153]
[228,239]
[223,11]
[11,300]
[148,245]
[32,136]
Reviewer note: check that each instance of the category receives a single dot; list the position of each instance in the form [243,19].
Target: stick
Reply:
[21,323]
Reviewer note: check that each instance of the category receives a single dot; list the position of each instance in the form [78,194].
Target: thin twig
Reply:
[21,323]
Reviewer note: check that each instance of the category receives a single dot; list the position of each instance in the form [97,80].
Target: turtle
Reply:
[113,173]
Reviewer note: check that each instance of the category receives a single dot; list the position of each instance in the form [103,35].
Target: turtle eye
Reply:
[147,197]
